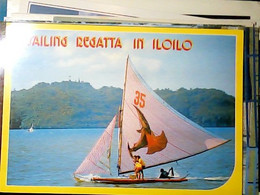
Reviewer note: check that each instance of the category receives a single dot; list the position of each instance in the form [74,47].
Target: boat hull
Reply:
[136,181]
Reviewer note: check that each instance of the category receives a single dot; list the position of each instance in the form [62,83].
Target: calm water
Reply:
[48,157]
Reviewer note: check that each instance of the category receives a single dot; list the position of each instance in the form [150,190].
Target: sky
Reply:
[210,63]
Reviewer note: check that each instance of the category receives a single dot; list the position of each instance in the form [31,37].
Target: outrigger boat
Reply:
[150,128]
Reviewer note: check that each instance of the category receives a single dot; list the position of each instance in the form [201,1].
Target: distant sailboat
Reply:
[31,129]
[149,127]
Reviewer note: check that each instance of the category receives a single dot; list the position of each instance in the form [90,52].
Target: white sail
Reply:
[31,129]
[98,160]
[154,130]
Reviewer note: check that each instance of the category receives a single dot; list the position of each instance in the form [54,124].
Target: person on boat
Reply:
[141,161]
[137,167]
[165,174]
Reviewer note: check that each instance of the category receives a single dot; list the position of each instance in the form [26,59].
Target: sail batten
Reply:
[152,129]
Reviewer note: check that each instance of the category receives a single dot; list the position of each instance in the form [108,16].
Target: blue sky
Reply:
[209,64]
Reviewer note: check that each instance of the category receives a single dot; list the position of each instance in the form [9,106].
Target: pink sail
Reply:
[154,130]
[98,160]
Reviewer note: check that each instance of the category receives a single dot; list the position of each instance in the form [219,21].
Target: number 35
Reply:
[139,99]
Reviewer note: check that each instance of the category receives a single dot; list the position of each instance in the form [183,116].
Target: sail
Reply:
[31,128]
[98,160]
[154,130]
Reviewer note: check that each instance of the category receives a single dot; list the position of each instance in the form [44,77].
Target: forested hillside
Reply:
[207,107]
[70,104]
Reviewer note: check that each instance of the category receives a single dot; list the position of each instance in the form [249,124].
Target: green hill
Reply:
[207,107]
[70,104]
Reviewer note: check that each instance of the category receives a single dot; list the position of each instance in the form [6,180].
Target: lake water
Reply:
[48,157]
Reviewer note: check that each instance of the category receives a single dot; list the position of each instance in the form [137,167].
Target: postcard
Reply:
[105,109]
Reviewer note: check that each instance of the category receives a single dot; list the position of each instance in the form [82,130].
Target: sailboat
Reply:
[150,128]
[31,129]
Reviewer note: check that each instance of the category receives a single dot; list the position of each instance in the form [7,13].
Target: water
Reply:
[48,157]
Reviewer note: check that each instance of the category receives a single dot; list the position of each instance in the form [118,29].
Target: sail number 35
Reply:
[139,99]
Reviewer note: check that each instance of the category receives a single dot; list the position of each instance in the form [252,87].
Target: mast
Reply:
[120,117]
